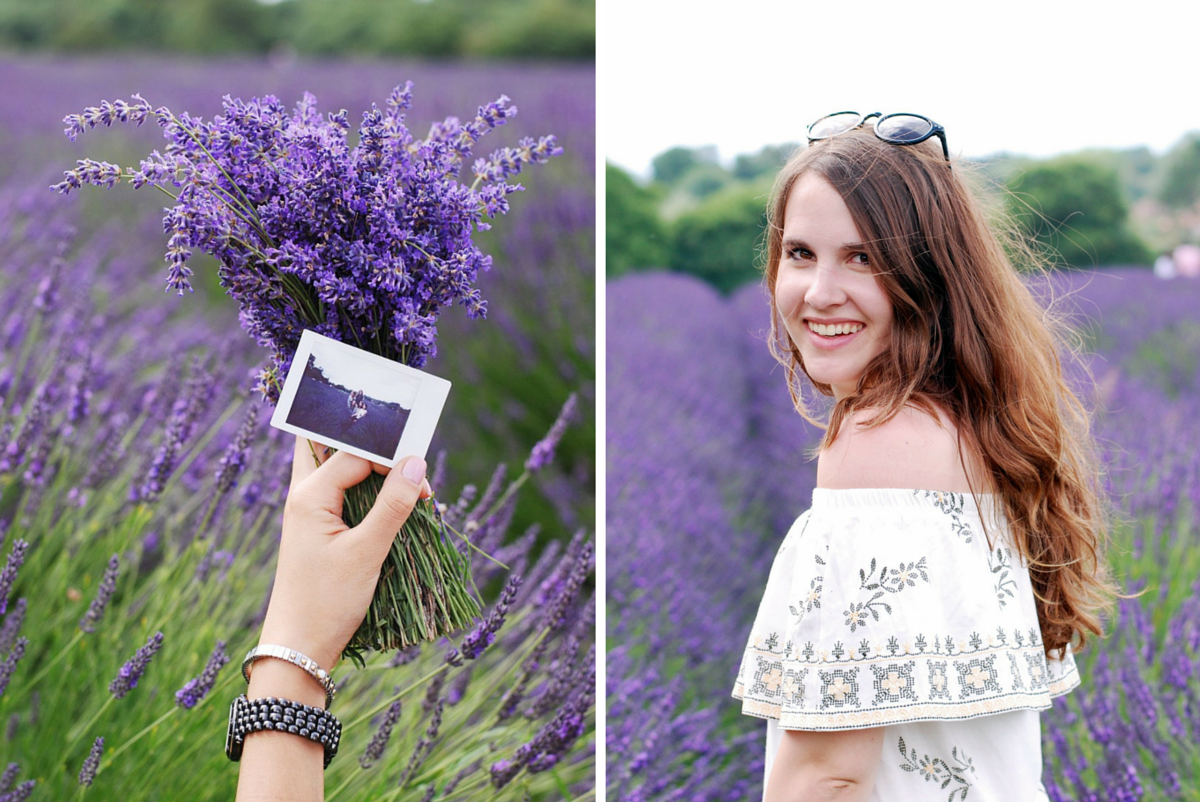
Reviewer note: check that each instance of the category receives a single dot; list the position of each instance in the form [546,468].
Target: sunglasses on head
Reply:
[898,129]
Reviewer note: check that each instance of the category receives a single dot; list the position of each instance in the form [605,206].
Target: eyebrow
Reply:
[791,243]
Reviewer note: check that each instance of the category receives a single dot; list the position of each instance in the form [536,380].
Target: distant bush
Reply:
[719,239]
[1181,180]
[516,29]
[1073,207]
[634,237]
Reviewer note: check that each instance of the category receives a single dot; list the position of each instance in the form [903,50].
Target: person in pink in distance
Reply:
[926,607]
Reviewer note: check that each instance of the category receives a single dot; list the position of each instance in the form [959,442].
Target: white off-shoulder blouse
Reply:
[891,608]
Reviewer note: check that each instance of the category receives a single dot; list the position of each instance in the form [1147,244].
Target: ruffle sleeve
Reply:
[890,606]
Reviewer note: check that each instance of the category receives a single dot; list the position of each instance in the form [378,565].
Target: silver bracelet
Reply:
[295,658]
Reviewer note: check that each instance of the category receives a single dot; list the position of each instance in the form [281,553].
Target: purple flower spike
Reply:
[543,452]
[10,663]
[379,742]
[184,415]
[233,461]
[197,688]
[91,763]
[104,593]
[12,625]
[9,777]
[485,634]
[16,557]
[129,674]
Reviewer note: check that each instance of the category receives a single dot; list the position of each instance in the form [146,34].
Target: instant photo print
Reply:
[359,402]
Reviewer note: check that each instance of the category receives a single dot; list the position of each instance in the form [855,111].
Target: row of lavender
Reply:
[141,487]
[707,467]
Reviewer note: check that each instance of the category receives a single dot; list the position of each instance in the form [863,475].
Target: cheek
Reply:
[789,293]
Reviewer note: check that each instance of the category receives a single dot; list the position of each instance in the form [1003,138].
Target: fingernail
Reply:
[414,470]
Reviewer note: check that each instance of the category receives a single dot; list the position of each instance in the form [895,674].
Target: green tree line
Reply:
[507,29]
[698,216]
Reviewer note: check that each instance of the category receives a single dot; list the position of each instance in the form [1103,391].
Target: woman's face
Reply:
[826,292]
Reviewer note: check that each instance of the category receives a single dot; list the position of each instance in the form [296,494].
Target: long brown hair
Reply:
[969,338]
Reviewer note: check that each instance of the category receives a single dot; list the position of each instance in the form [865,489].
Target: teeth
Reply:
[837,328]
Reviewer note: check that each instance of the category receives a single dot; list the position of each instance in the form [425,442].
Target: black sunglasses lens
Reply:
[833,125]
[903,128]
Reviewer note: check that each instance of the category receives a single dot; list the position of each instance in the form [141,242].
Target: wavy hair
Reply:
[969,338]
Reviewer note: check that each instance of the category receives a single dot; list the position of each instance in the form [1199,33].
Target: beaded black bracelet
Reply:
[247,716]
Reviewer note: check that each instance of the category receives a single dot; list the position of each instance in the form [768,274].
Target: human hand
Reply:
[327,571]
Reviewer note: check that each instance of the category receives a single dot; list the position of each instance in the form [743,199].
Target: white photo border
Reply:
[422,420]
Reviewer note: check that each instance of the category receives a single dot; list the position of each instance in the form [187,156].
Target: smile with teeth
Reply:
[833,330]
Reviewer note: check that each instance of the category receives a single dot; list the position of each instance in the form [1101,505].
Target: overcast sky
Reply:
[347,368]
[1035,78]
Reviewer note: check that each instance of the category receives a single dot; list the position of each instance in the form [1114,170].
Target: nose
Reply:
[826,289]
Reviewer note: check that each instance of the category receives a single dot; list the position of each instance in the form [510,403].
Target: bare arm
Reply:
[820,766]
[324,580]
[913,449]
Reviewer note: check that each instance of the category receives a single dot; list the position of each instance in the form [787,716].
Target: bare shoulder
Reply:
[912,450]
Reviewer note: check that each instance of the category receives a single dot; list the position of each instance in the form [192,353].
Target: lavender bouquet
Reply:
[364,244]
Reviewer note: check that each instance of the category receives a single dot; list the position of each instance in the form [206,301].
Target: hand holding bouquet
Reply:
[364,244]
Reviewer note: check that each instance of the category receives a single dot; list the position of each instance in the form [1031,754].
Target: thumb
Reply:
[395,503]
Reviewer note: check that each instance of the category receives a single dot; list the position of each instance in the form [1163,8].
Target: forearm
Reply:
[815,786]
[280,765]
[825,766]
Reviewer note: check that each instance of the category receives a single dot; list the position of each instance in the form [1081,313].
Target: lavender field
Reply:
[141,487]
[706,468]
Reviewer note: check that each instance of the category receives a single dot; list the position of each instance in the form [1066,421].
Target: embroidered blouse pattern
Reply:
[938,770]
[882,607]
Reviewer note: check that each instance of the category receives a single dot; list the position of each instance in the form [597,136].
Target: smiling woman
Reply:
[925,608]
[826,292]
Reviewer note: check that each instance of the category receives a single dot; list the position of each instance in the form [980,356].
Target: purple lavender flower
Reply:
[12,625]
[233,461]
[379,741]
[10,663]
[9,777]
[16,557]
[197,688]
[543,452]
[184,416]
[379,233]
[405,656]
[21,792]
[485,633]
[104,593]
[129,674]
[31,431]
[87,774]
[421,750]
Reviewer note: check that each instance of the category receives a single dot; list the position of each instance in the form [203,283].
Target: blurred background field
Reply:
[102,374]
[707,467]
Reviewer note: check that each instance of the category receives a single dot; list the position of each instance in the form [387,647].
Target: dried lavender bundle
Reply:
[363,244]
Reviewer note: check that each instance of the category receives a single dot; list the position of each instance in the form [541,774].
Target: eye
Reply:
[860,258]
[799,254]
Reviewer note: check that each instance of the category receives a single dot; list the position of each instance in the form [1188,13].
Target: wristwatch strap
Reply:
[248,716]
[295,658]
